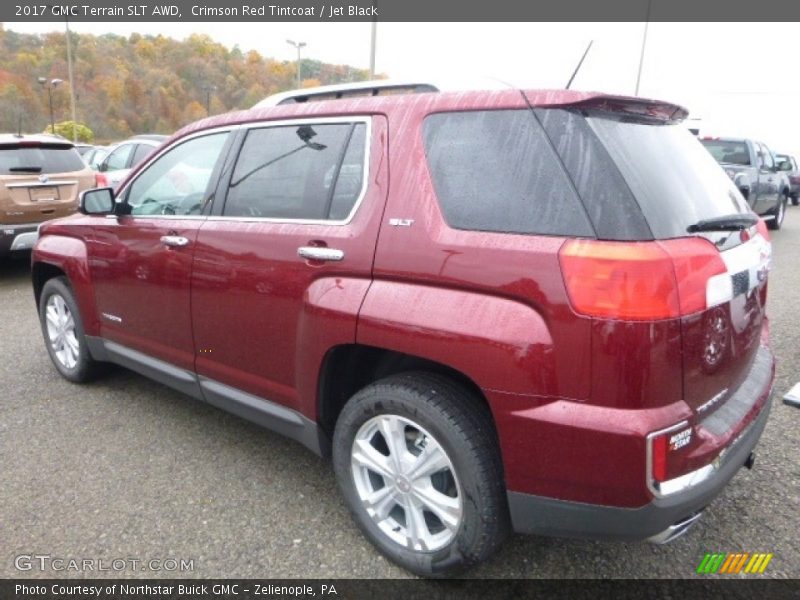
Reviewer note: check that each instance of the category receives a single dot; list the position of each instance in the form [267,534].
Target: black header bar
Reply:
[332,11]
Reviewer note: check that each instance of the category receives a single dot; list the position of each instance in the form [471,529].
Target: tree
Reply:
[66,128]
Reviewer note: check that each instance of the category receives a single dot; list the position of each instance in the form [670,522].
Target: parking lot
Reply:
[127,468]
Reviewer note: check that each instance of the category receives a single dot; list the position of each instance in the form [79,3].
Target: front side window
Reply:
[118,159]
[308,172]
[142,151]
[176,182]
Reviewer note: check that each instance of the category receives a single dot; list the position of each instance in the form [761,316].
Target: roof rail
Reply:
[380,87]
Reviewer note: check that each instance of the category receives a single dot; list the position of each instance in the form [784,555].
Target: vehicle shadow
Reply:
[15,269]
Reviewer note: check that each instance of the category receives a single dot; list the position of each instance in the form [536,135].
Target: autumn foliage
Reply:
[141,83]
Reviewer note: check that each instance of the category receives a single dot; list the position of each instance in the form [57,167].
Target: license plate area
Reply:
[44,194]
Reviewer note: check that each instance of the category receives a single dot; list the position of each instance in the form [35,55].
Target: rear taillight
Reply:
[762,228]
[668,451]
[642,281]
[794,179]
[100,180]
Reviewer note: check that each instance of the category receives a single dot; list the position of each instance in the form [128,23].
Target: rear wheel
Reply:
[62,328]
[779,212]
[795,200]
[417,461]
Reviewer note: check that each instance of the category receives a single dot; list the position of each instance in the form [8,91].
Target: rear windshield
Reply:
[732,153]
[55,159]
[675,181]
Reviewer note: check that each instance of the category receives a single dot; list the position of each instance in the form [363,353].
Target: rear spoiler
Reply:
[54,145]
[637,108]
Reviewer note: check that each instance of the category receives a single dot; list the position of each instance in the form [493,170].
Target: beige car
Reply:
[40,179]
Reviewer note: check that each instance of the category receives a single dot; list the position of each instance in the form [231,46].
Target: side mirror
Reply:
[99,201]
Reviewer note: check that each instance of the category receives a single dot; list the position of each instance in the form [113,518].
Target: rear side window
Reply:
[54,159]
[496,171]
[310,172]
[732,153]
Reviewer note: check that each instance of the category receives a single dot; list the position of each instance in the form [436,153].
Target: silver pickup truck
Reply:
[752,167]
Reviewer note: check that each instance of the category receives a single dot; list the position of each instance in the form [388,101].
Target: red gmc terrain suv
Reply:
[538,311]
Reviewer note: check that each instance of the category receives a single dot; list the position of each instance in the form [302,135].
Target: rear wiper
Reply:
[735,222]
[26,169]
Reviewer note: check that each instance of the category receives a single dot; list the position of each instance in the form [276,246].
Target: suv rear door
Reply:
[282,267]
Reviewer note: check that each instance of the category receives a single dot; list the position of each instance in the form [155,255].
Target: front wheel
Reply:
[779,213]
[62,328]
[417,461]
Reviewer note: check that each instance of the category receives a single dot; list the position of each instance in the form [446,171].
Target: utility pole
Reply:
[297,45]
[71,81]
[373,40]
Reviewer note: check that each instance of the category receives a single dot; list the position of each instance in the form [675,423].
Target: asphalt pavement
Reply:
[126,469]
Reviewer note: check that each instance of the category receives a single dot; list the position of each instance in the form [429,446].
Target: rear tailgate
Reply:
[677,184]
[721,344]
[40,180]
[26,199]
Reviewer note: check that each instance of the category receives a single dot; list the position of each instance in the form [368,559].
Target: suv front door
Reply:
[280,272]
[141,259]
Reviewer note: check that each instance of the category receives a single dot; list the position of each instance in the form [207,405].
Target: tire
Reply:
[63,332]
[795,200]
[779,212]
[459,506]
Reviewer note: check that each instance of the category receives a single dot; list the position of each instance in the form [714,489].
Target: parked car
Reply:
[751,166]
[123,157]
[83,148]
[40,179]
[95,156]
[539,311]
[788,164]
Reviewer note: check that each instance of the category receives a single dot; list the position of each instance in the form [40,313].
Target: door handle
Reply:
[174,241]
[320,253]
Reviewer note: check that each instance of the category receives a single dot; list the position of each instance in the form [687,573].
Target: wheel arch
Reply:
[348,368]
[63,256]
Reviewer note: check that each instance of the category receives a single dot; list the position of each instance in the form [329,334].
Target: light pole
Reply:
[50,85]
[209,88]
[297,45]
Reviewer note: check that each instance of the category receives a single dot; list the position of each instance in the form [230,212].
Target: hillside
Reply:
[140,84]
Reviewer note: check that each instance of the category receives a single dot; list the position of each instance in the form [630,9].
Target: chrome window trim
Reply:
[365,119]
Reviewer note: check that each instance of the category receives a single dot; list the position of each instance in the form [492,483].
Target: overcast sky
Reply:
[740,78]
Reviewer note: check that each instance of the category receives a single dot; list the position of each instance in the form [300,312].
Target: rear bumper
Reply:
[21,236]
[548,516]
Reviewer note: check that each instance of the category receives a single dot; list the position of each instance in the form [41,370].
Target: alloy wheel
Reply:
[406,483]
[61,331]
